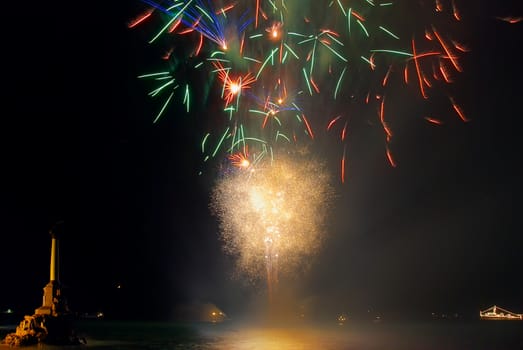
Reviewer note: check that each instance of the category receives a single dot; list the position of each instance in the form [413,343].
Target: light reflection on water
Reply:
[281,339]
[368,336]
[351,336]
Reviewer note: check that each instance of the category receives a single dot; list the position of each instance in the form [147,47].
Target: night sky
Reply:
[440,233]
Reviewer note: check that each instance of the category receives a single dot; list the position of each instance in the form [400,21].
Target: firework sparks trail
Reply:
[269,61]
[273,216]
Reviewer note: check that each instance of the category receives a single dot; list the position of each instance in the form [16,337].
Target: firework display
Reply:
[272,216]
[275,73]
[265,78]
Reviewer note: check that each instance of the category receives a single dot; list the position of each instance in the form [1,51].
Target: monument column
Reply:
[52,301]
[53,276]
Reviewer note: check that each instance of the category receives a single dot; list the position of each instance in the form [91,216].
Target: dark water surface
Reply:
[452,335]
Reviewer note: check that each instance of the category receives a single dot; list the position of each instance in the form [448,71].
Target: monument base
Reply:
[44,329]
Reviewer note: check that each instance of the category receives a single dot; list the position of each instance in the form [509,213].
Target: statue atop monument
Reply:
[52,321]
